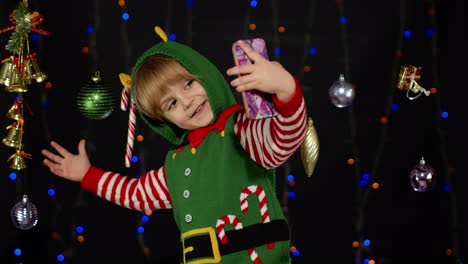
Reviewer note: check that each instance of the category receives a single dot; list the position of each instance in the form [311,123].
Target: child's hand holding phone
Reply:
[259,78]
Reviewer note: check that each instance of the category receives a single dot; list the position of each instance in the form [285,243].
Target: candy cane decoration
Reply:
[124,103]
[124,99]
[258,190]
[233,220]
[131,133]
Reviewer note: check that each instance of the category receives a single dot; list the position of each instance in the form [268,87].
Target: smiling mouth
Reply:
[199,109]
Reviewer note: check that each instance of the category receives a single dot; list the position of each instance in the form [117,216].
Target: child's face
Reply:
[186,105]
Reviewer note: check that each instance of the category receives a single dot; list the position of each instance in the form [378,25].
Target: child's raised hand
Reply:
[264,75]
[67,165]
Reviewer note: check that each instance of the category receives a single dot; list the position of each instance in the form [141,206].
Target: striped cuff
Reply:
[290,107]
[91,179]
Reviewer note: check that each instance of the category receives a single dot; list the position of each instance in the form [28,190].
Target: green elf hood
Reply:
[218,90]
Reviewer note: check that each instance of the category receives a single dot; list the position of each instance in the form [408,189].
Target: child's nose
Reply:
[187,102]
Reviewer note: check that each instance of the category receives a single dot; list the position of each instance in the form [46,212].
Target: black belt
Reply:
[242,239]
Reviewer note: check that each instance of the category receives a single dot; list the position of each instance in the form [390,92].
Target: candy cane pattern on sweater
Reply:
[233,220]
[244,204]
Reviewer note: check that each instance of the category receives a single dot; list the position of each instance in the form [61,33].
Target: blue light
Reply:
[141,229]
[189,3]
[51,192]
[60,258]
[172,36]
[366,242]
[343,20]
[89,30]
[278,51]
[363,183]
[429,32]
[144,218]
[134,159]
[295,253]
[291,195]
[290,177]
[446,188]
[34,37]
[365,176]
[253,3]
[79,229]
[125,16]
[444,114]
[18,252]
[45,104]
[312,51]
[407,34]
[366,261]
[12,176]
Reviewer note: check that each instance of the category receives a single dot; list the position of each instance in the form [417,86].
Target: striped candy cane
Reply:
[233,220]
[124,98]
[244,205]
[124,102]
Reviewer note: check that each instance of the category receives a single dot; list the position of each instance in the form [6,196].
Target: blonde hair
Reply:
[152,80]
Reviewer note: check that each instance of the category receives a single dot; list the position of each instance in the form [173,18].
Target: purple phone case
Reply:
[257,104]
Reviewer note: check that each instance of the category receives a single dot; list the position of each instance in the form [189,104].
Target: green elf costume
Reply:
[219,180]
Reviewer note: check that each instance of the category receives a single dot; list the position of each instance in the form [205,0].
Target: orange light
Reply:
[433,90]
[85,50]
[292,248]
[252,26]
[281,29]
[291,183]
[146,250]
[121,3]
[371,261]
[140,138]
[80,238]
[55,235]
[448,252]
[48,85]
[148,212]
[375,185]
[306,68]
[383,120]
[355,244]
[350,161]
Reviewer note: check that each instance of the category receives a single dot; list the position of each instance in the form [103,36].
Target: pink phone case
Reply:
[257,104]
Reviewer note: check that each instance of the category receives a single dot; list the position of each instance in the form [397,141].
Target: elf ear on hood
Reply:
[218,90]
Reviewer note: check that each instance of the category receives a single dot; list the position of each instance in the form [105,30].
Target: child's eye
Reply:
[189,84]
[171,104]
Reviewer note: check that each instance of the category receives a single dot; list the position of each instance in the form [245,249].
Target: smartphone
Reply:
[257,104]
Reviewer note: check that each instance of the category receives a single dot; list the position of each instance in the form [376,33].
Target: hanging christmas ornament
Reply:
[16,111]
[14,136]
[24,214]
[96,100]
[310,148]
[408,80]
[422,177]
[341,93]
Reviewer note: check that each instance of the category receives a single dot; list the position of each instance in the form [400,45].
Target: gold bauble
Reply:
[310,148]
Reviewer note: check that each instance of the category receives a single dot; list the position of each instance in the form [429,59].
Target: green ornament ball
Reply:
[95,100]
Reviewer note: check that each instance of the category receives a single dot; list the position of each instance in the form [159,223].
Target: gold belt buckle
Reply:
[214,245]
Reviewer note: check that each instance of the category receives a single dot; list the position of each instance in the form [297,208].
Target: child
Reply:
[219,178]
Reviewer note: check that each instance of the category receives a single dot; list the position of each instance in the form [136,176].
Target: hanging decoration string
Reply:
[445,171]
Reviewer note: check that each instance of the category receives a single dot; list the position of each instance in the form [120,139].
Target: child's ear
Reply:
[125,80]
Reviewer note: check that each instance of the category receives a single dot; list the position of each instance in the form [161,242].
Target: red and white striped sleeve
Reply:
[271,141]
[148,192]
